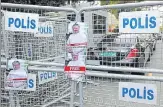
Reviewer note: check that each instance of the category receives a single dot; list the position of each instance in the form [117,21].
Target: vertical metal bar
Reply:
[72,93]
[75,87]
[80,87]
[17,101]
[78,16]
[11,98]
[81,93]
[0,54]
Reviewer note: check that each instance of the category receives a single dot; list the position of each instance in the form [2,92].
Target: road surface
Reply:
[157,58]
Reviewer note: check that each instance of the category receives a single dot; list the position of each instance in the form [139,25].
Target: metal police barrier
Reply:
[124,39]
[96,79]
[129,89]
[33,33]
[44,87]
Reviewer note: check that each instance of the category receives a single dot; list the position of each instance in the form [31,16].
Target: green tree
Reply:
[116,11]
[111,2]
[43,2]
[37,2]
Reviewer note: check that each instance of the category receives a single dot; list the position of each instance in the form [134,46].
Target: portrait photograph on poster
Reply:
[76,47]
[17,76]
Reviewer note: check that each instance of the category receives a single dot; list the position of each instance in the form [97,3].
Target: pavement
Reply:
[157,58]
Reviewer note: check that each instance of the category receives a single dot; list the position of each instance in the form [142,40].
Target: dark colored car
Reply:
[121,50]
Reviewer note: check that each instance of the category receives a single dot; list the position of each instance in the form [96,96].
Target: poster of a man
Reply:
[76,52]
[16,78]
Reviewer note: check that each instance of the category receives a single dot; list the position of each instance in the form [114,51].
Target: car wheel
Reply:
[140,62]
[138,73]
[137,65]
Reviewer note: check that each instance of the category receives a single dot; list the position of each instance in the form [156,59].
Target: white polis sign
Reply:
[45,77]
[31,84]
[139,22]
[45,29]
[138,92]
[23,22]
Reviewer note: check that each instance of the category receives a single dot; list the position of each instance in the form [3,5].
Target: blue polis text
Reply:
[138,93]
[133,23]
[22,23]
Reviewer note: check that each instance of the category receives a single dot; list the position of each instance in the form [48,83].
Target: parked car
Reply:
[121,50]
[159,36]
[154,41]
[151,39]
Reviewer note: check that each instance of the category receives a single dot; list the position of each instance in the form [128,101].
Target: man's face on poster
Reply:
[76,28]
[16,66]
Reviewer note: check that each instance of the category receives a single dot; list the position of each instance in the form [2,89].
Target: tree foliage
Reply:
[107,2]
[44,2]
[37,2]
[116,11]
[110,2]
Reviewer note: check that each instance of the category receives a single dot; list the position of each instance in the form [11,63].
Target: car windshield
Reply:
[120,41]
[125,40]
